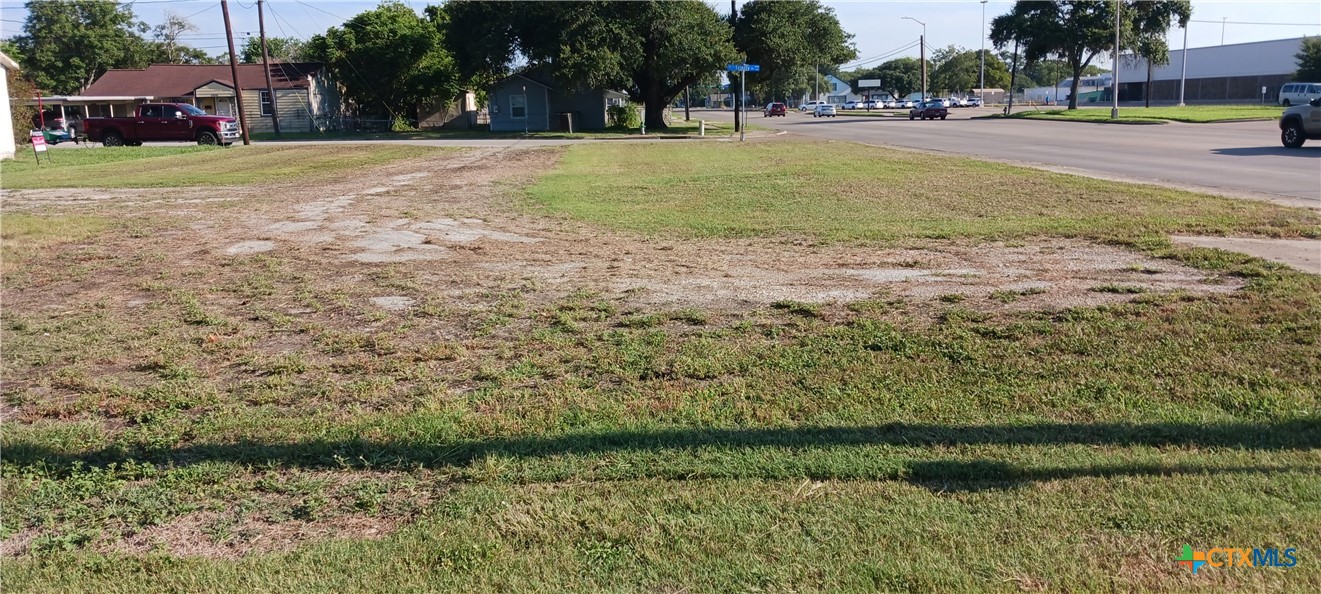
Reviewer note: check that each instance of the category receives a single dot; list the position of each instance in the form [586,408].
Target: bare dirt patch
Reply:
[453,221]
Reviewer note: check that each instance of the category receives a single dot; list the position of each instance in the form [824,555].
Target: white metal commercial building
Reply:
[1232,73]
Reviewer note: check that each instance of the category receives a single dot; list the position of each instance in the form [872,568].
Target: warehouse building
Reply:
[1221,74]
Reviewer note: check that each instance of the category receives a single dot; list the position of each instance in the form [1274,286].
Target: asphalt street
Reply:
[1238,159]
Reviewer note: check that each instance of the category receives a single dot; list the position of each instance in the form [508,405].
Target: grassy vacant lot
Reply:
[1195,114]
[840,191]
[139,167]
[518,445]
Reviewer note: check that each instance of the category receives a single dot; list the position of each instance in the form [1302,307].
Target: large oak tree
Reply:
[650,50]
[789,40]
[66,46]
[388,60]
[1077,31]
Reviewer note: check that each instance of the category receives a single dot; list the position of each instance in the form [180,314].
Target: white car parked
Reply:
[810,106]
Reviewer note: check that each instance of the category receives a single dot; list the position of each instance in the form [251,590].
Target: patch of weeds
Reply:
[368,496]
[439,351]
[952,298]
[690,316]
[641,321]
[876,306]
[1010,296]
[194,313]
[798,308]
[1119,289]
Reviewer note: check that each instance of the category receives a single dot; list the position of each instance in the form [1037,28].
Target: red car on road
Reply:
[774,109]
[929,111]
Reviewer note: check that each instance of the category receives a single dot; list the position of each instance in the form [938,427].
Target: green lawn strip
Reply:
[780,535]
[136,167]
[840,191]
[1195,114]
[678,127]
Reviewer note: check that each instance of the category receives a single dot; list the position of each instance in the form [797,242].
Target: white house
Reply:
[6,119]
[835,93]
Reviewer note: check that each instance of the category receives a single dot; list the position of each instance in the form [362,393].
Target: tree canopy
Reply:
[962,72]
[899,77]
[65,46]
[281,49]
[1309,60]
[388,59]
[1076,31]
[650,50]
[789,40]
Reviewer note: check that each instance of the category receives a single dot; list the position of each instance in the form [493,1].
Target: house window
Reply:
[265,102]
[518,106]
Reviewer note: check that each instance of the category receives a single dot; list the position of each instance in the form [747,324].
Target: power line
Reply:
[880,56]
[855,65]
[1250,23]
[327,12]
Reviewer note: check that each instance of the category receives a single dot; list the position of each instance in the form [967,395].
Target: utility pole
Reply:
[816,96]
[1114,76]
[923,41]
[1183,75]
[234,71]
[981,84]
[1013,79]
[1223,22]
[266,64]
[738,98]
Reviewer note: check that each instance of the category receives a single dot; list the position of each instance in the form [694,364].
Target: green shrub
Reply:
[401,124]
[624,116]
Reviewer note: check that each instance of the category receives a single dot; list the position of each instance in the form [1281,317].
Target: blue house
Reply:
[532,101]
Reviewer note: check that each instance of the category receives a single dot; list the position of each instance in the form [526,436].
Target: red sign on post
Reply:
[38,141]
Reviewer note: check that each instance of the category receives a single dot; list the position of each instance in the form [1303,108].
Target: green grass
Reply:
[1196,114]
[840,191]
[521,443]
[137,167]
[676,128]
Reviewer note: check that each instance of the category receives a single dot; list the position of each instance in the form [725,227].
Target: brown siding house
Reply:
[307,100]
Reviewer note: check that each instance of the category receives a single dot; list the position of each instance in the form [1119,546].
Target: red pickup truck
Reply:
[163,122]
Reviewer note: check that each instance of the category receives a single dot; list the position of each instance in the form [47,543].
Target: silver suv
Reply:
[1301,123]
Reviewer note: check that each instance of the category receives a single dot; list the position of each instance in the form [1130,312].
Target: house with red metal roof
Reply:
[305,97]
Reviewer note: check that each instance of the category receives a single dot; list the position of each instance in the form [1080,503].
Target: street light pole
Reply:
[1114,75]
[923,42]
[981,76]
[1223,22]
[1183,74]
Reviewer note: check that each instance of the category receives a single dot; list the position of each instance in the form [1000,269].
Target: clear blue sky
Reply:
[877,26]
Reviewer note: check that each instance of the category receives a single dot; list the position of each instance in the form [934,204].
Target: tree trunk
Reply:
[654,103]
[1073,85]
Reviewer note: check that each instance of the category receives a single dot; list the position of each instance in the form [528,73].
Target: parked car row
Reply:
[903,103]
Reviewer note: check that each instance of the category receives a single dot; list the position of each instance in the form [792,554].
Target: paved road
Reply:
[1242,158]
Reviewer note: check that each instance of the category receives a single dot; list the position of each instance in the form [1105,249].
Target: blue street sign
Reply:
[743,68]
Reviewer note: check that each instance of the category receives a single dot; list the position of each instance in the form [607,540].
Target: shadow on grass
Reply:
[821,442]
